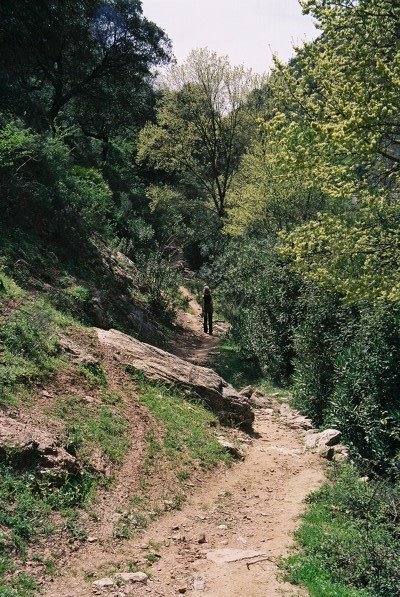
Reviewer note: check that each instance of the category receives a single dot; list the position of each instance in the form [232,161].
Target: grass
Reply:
[93,426]
[348,544]
[184,440]
[230,363]
[188,435]
[30,500]
[8,288]
[29,347]
[94,374]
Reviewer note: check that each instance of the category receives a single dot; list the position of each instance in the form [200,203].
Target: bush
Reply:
[350,539]
[315,345]
[257,292]
[29,347]
[347,374]
[160,281]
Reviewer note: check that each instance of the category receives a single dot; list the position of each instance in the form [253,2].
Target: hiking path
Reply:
[236,523]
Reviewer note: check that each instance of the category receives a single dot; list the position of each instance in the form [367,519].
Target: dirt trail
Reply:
[190,342]
[252,507]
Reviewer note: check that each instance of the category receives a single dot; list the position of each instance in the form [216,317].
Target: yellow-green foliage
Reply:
[331,130]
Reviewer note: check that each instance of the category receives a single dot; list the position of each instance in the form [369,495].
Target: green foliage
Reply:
[349,540]
[181,220]
[267,194]
[160,280]
[347,375]
[202,125]
[335,111]
[29,501]
[94,374]
[92,198]
[28,348]
[257,292]
[88,427]
[90,58]
[8,288]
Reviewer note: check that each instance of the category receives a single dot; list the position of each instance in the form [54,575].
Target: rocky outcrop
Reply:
[159,365]
[28,446]
[76,353]
[328,437]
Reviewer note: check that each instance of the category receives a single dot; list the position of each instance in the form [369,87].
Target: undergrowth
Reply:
[30,500]
[349,539]
[91,426]
[29,348]
[187,436]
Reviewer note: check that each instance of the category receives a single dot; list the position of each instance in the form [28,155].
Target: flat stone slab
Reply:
[159,365]
[224,556]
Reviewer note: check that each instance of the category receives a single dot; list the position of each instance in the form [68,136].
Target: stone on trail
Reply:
[247,391]
[29,444]
[199,584]
[259,399]
[131,577]
[103,583]
[232,449]
[326,452]
[329,437]
[225,556]
[159,365]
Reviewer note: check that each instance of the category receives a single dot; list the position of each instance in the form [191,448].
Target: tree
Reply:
[268,194]
[203,125]
[54,53]
[337,111]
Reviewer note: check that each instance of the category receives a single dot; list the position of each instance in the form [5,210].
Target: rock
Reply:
[32,447]
[46,394]
[341,449]
[223,527]
[232,449]
[329,437]
[326,452]
[247,391]
[341,453]
[98,310]
[159,365]
[140,321]
[91,539]
[131,577]
[199,584]
[224,556]
[102,583]
[340,457]
[76,352]
[202,538]
[259,399]
[301,422]
[99,462]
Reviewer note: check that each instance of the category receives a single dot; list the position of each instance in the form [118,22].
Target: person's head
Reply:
[206,290]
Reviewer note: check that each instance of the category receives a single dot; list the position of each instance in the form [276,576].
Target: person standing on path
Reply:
[207,310]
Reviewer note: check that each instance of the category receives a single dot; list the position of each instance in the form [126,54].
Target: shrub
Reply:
[350,539]
[347,374]
[29,347]
[160,281]
[257,292]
